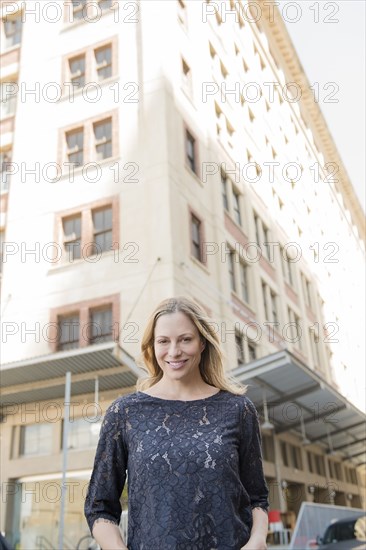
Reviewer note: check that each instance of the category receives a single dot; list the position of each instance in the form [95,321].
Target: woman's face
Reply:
[177,346]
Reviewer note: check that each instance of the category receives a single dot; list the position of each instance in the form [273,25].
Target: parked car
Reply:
[342,534]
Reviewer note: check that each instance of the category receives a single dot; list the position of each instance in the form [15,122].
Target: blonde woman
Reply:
[189,439]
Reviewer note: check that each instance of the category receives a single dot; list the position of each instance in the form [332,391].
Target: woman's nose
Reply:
[174,349]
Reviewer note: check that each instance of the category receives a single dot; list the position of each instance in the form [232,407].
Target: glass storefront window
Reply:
[83,434]
[36,510]
[35,439]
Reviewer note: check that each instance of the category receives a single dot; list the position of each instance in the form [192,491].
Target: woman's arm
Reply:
[108,536]
[102,503]
[252,476]
[259,531]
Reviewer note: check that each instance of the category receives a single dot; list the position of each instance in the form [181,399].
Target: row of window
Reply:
[292,458]
[36,439]
[81,10]
[98,329]
[238,276]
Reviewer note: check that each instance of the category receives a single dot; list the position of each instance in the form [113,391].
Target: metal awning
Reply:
[43,378]
[299,399]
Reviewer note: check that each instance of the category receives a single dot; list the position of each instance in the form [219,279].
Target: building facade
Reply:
[160,149]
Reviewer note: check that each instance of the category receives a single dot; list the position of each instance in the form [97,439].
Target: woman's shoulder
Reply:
[242,401]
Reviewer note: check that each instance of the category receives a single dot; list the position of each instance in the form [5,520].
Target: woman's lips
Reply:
[176,364]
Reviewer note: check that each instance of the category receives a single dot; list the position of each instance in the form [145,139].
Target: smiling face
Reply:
[178,347]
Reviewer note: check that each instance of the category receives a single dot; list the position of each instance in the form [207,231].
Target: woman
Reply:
[190,441]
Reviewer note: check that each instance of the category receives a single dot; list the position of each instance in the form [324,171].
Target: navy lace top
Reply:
[194,471]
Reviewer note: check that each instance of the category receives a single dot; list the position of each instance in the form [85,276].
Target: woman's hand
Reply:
[255,543]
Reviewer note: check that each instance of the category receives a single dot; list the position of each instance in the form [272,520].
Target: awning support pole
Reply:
[64,459]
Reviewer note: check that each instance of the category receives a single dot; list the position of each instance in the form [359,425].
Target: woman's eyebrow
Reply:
[180,336]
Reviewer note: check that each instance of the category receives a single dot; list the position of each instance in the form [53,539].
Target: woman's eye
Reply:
[187,339]
[162,342]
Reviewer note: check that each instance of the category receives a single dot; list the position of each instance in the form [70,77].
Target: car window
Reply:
[339,532]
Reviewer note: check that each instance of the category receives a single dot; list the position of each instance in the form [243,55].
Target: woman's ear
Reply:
[203,345]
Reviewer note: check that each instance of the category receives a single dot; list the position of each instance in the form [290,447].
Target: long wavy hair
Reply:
[211,364]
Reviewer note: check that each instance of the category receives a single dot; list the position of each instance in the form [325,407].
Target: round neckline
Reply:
[180,400]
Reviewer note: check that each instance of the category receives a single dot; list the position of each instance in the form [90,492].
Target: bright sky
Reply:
[335,52]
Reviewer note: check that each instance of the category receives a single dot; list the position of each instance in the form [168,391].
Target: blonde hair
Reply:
[211,364]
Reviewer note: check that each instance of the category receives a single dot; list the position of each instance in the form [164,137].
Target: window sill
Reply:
[68,25]
[199,264]
[243,302]
[11,49]
[75,172]
[7,117]
[193,174]
[63,265]
[77,92]
[189,95]
[240,227]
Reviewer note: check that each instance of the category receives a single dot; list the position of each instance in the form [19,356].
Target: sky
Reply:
[329,38]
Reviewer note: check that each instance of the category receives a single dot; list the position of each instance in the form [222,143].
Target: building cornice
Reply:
[279,38]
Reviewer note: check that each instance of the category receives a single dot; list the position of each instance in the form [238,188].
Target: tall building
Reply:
[156,149]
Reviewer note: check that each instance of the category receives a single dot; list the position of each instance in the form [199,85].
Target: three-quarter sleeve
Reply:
[251,464]
[109,472]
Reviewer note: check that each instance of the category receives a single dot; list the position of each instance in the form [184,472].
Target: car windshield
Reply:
[340,531]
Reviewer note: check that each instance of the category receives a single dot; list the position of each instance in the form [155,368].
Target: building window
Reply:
[262,235]
[89,231]
[295,454]
[83,434]
[8,98]
[236,206]
[314,343]
[338,471]
[5,173]
[284,455]
[102,229]
[78,9]
[239,348]
[68,332]
[196,237]
[75,146]
[268,448]
[270,303]
[266,240]
[191,154]
[265,304]
[257,222]
[274,306]
[319,464]
[224,189]
[286,267]
[86,323]
[13,30]
[244,287]
[72,237]
[182,13]
[186,77]
[101,325]
[252,350]
[93,140]
[295,328]
[232,270]
[310,461]
[307,290]
[77,70]
[103,62]
[95,63]
[103,139]
[105,4]
[36,439]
